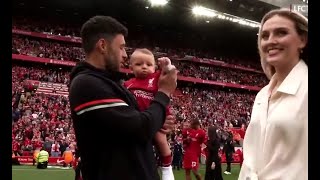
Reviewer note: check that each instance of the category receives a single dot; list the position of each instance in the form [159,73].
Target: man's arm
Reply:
[204,138]
[185,139]
[91,99]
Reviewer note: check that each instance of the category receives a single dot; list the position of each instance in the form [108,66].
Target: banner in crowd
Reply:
[216,63]
[231,85]
[47,36]
[31,84]
[53,89]
[236,156]
[42,60]
[29,160]
[238,131]
[58,161]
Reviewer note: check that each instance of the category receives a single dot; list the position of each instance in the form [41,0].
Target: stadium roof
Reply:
[175,18]
[251,9]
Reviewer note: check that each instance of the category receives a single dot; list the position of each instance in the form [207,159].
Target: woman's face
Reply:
[280,42]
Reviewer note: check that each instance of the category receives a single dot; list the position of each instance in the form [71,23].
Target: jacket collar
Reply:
[292,82]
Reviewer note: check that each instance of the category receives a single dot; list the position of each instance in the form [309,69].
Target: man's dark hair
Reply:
[212,133]
[194,123]
[100,27]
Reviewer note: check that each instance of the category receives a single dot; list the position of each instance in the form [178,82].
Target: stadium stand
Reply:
[217,92]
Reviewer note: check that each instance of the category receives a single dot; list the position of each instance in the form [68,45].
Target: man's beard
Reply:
[111,62]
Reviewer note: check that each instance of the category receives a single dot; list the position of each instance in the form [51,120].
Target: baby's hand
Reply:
[165,64]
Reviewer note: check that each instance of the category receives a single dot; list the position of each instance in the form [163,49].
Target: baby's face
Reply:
[142,65]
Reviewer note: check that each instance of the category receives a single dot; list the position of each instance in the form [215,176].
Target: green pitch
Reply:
[31,173]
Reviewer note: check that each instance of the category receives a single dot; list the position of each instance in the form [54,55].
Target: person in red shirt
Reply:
[37,144]
[15,147]
[144,86]
[27,144]
[194,137]
[242,131]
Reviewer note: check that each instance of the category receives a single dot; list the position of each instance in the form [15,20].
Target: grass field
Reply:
[31,173]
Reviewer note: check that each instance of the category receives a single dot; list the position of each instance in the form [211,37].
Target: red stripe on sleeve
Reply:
[95,102]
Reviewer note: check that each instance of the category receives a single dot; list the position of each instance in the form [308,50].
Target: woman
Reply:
[213,163]
[275,145]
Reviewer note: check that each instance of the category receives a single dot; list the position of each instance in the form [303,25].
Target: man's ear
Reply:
[102,45]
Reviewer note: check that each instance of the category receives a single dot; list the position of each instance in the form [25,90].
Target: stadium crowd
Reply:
[44,120]
[141,39]
[221,74]
[63,51]
[46,49]
[41,119]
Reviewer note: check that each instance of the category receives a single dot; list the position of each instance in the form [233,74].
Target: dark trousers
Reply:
[78,172]
[176,162]
[215,174]
[229,159]
[228,167]
[42,165]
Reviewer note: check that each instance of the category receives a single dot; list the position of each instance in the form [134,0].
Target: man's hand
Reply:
[213,165]
[168,81]
[168,125]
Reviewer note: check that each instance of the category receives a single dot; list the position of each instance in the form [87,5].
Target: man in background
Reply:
[177,155]
[42,159]
[228,149]
[194,137]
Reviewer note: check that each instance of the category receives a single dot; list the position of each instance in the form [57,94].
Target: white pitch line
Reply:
[47,170]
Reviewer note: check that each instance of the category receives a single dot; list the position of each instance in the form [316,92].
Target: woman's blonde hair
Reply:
[301,26]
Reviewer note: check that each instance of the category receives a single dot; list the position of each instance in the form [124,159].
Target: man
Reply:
[63,146]
[42,159]
[68,157]
[35,155]
[55,149]
[228,149]
[193,138]
[102,106]
[177,155]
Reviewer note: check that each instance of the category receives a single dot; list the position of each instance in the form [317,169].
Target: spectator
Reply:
[55,149]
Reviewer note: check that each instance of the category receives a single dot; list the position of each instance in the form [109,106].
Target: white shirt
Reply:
[53,148]
[276,143]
